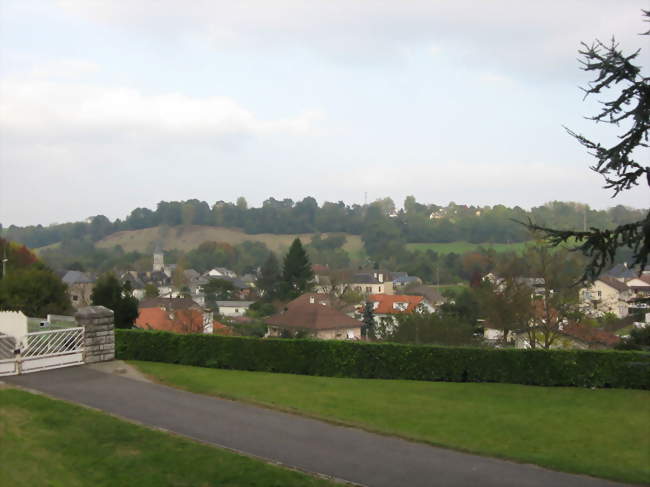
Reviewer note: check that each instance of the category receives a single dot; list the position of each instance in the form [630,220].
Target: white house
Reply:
[220,272]
[233,308]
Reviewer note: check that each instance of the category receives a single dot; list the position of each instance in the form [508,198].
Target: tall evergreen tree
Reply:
[270,278]
[297,274]
[110,293]
[368,327]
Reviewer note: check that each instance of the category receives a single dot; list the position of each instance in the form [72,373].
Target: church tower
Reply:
[158,258]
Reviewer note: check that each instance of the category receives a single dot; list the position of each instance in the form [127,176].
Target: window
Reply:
[368,289]
[75,297]
[379,290]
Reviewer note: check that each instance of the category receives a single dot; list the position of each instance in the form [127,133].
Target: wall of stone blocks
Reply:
[99,333]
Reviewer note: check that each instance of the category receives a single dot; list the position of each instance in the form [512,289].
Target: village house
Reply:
[373,282]
[606,295]
[220,273]
[233,308]
[314,315]
[80,288]
[386,307]
[180,315]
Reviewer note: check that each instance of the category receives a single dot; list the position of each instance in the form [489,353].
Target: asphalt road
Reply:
[314,446]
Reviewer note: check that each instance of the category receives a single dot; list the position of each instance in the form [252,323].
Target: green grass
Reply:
[463,247]
[33,324]
[49,442]
[604,433]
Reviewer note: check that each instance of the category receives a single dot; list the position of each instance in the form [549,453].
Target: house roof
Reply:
[613,283]
[430,293]
[168,303]
[371,277]
[590,335]
[312,311]
[133,278]
[77,277]
[406,279]
[179,320]
[389,304]
[620,271]
[191,274]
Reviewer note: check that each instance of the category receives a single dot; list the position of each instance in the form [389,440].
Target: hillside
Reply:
[191,236]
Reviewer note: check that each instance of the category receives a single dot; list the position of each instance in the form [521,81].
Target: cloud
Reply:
[73,110]
[493,78]
[519,36]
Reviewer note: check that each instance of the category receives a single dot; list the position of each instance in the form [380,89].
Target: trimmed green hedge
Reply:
[333,358]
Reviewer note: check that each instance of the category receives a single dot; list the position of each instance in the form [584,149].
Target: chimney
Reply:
[380,278]
[312,300]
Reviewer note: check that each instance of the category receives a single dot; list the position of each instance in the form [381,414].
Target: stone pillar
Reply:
[99,333]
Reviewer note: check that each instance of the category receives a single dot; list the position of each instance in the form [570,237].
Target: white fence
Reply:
[42,350]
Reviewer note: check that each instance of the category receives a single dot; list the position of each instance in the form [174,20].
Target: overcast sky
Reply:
[110,105]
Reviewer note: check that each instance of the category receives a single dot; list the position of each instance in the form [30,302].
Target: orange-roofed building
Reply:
[386,307]
[179,315]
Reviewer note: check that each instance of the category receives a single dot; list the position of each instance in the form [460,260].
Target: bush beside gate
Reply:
[582,368]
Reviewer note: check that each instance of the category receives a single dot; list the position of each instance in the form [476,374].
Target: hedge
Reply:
[582,368]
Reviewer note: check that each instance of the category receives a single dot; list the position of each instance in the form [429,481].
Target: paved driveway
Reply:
[307,444]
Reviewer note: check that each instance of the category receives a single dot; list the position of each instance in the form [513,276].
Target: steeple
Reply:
[158,258]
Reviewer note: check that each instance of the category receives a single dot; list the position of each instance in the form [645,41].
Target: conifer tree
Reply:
[270,278]
[622,164]
[297,274]
[368,327]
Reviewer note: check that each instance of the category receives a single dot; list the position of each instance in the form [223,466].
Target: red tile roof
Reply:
[389,304]
[312,311]
[591,336]
[179,321]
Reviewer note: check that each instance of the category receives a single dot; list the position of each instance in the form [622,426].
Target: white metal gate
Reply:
[8,364]
[42,350]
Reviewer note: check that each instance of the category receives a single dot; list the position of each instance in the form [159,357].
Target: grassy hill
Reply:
[460,247]
[191,236]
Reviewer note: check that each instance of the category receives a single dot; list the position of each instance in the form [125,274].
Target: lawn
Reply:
[59,444]
[460,247]
[604,433]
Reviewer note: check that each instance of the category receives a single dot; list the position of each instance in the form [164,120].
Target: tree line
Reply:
[415,222]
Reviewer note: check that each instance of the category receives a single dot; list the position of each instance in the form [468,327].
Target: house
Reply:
[536,284]
[373,282]
[220,273]
[387,307]
[431,294]
[586,337]
[80,288]
[233,308]
[402,279]
[606,295]
[314,314]
[180,315]
[136,282]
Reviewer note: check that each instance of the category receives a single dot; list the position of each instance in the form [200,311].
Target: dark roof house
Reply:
[312,311]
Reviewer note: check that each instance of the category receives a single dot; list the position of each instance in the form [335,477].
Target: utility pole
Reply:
[4,261]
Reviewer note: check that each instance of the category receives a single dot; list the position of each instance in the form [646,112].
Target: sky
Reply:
[106,106]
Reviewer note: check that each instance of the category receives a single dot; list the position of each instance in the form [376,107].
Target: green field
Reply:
[49,442]
[596,432]
[463,247]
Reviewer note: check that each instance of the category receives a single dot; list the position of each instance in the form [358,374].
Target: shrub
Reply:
[582,368]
